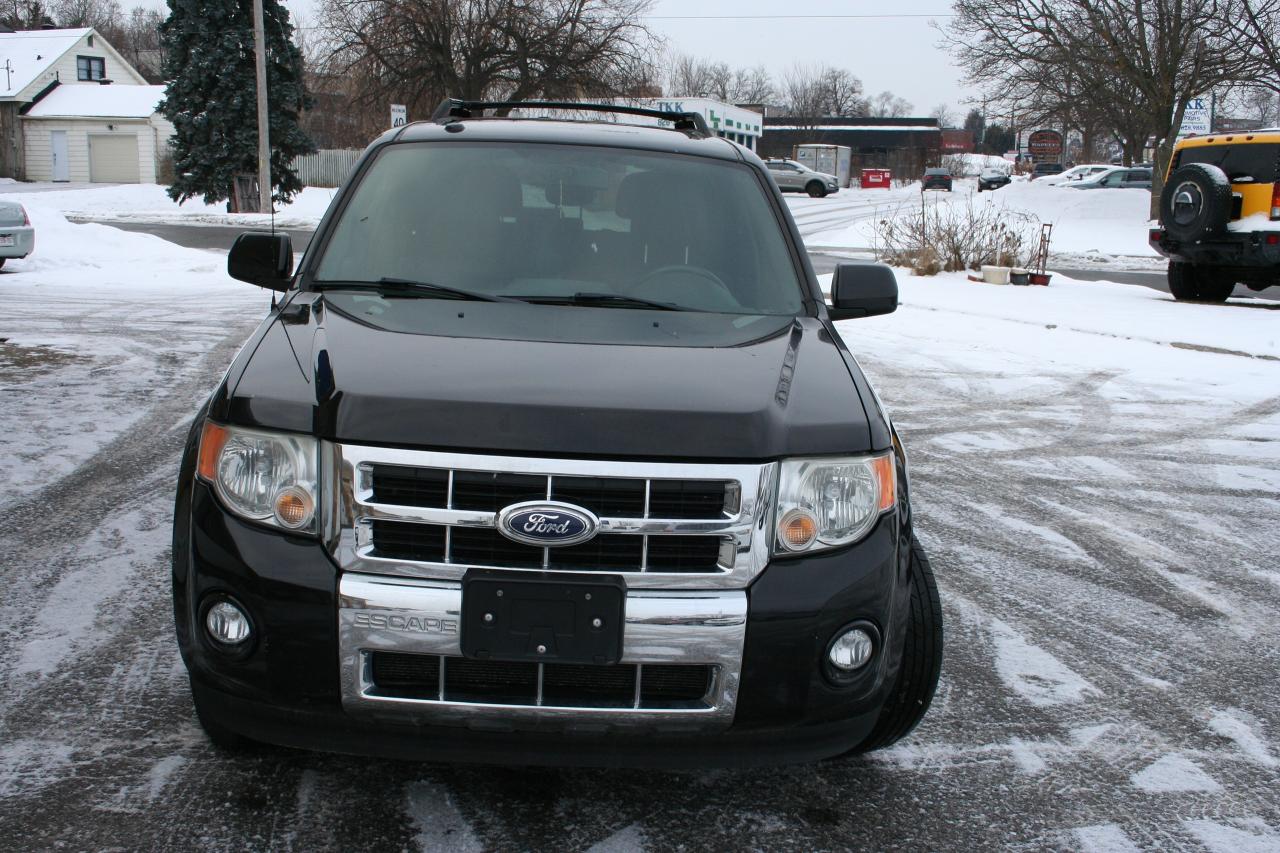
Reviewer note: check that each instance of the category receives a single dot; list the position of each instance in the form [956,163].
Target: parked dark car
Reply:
[936,179]
[993,180]
[571,468]
[1040,170]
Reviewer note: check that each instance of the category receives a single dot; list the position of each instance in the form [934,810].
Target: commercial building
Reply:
[905,145]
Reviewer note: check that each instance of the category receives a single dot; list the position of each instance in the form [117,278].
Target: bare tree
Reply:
[814,91]
[801,89]
[889,105]
[690,76]
[841,93]
[417,52]
[752,86]
[1141,59]
[103,15]
[1257,29]
[944,114]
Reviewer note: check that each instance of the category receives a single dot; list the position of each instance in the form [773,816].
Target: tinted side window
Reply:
[1256,161]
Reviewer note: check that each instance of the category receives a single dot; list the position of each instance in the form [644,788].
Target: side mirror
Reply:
[262,259]
[862,289]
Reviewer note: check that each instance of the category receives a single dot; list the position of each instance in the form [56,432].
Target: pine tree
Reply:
[211,97]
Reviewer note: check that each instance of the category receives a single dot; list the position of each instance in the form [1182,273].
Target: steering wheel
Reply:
[685,285]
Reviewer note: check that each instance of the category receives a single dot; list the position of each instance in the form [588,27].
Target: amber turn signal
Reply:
[886,479]
[798,530]
[212,439]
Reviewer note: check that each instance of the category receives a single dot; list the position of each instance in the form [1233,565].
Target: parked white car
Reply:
[17,236]
[1076,173]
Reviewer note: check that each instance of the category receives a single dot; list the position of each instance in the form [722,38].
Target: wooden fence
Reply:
[326,168]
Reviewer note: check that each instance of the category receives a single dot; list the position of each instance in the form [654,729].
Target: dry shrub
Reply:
[956,236]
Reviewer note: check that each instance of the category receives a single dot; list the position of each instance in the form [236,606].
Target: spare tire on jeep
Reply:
[1196,202]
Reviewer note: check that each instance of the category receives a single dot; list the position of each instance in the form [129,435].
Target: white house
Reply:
[98,134]
[36,64]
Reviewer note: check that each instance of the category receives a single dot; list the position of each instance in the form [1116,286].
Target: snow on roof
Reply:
[29,54]
[92,100]
[916,127]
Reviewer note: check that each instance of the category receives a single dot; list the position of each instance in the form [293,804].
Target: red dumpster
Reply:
[873,179]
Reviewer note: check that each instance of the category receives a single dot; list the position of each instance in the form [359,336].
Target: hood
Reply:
[449,375]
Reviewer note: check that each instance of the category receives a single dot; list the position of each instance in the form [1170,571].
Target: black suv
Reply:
[551,452]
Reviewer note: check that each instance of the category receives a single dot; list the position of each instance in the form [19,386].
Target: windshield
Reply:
[566,224]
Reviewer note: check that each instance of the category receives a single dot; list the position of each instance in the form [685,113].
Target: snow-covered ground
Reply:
[1096,472]
[1104,228]
[150,203]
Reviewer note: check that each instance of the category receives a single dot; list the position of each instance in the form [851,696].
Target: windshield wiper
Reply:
[605,300]
[405,285]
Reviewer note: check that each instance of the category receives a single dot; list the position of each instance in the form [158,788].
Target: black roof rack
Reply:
[459,108]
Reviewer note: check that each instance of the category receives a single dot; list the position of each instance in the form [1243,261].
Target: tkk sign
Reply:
[1197,117]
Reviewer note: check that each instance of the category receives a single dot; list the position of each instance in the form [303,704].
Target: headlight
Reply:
[264,476]
[826,503]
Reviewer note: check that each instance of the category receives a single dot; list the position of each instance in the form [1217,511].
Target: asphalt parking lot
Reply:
[1107,561]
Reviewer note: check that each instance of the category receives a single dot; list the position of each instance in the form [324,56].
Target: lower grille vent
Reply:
[414,676]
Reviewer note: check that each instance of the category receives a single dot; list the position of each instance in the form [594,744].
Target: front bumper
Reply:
[301,682]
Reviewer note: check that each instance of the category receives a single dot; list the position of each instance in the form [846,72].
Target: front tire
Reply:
[815,189]
[917,678]
[219,735]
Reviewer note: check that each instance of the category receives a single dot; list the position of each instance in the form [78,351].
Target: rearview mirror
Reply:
[262,259]
[862,289]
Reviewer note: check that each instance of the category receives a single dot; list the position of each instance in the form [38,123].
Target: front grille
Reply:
[426,514]
[485,546]
[647,686]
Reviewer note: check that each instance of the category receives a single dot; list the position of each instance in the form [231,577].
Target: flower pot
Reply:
[1019,276]
[1039,278]
[995,275]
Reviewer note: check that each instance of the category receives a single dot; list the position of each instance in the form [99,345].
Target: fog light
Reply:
[227,624]
[851,650]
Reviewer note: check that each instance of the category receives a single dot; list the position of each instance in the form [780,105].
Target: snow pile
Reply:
[150,203]
[99,257]
[976,164]
[1088,225]
[1106,222]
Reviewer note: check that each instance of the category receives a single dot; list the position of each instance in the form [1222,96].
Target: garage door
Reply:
[113,159]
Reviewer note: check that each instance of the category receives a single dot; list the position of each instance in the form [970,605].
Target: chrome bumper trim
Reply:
[423,617]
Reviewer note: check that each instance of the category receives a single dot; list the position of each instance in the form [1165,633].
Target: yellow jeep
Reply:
[1220,214]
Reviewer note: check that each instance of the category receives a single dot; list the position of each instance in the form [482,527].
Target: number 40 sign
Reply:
[399,115]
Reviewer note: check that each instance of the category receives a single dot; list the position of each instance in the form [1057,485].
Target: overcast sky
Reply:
[897,52]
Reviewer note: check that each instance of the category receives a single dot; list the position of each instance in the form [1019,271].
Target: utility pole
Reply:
[264,141]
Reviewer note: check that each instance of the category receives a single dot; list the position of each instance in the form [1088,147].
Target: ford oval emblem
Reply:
[547,524]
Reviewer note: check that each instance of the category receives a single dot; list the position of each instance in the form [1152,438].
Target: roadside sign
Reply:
[1045,144]
[399,115]
[1197,117]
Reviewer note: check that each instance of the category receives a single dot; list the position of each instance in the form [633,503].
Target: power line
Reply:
[797,17]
